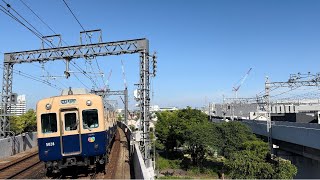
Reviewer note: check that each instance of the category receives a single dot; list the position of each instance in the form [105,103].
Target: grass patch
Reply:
[202,173]
[174,177]
[164,163]
[209,170]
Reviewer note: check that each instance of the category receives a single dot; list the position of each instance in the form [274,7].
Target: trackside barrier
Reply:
[16,144]
[139,167]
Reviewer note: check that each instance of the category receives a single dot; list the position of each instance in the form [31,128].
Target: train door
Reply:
[70,132]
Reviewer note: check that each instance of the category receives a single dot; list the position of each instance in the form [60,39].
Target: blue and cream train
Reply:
[74,130]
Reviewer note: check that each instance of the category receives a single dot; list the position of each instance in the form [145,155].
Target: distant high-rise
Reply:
[19,108]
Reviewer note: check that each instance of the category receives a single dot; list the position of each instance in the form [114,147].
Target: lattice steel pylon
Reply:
[140,46]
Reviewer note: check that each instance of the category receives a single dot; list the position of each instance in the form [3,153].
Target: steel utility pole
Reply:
[267,108]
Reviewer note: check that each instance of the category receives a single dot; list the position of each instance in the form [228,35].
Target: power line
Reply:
[285,92]
[74,15]
[4,10]
[9,6]
[86,34]
[34,78]
[8,13]
[81,82]
[37,16]
[36,32]
[49,75]
[84,73]
[46,24]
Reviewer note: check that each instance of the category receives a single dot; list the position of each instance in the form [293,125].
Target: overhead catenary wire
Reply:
[35,31]
[284,92]
[46,24]
[49,75]
[8,13]
[75,17]
[4,10]
[9,6]
[34,78]
[84,73]
[314,93]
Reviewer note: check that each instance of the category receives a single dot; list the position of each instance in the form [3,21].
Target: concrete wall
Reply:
[139,167]
[304,134]
[13,145]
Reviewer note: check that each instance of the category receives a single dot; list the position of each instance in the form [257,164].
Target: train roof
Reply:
[74,91]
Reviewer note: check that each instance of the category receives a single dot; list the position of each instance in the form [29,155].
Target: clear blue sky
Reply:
[204,47]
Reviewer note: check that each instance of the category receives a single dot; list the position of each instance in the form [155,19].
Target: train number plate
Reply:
[50,144]
[68,101]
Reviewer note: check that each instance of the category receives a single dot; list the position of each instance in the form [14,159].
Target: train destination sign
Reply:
[68,101]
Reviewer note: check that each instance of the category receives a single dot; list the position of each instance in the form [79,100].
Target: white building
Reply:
[19,108]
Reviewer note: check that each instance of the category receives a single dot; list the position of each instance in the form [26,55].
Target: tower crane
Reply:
[237,86]
[123,75]
[108,79]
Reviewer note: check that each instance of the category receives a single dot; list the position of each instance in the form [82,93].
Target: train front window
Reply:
[70,120]
[49,123]
[90,118]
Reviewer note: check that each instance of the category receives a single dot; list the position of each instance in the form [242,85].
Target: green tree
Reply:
[231,136]
[247,165]
[284,169]
[253,162]
[198,141]
[170,130]
[250,162]
[24,123]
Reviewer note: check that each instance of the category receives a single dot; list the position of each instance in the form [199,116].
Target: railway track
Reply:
[15,169]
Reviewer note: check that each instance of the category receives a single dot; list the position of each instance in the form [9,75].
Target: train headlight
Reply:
[89,102]
[48,106]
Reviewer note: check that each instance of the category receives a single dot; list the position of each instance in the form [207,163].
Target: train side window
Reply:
[90,118]
[70,120]
[49,123]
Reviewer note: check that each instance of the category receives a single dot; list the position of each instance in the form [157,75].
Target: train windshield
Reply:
[70,120]
[90,118]
[49,123]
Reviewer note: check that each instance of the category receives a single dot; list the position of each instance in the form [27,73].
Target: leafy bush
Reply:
[163,163]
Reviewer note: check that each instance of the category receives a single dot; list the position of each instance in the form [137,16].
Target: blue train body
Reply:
[74,130]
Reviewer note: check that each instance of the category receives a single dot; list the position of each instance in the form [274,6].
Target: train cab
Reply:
[73,130]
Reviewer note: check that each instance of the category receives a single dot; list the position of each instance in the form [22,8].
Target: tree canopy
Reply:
[24,123]
[245,155]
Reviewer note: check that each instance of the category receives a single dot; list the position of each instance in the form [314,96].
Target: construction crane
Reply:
[107,82]
[123,75]
[240,82]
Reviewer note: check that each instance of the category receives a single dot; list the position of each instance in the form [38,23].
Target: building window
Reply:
[49,123]
[289,108]
[280,108]
[70,120]
[90,118]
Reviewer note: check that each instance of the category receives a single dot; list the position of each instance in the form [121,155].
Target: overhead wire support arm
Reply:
[79,51]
